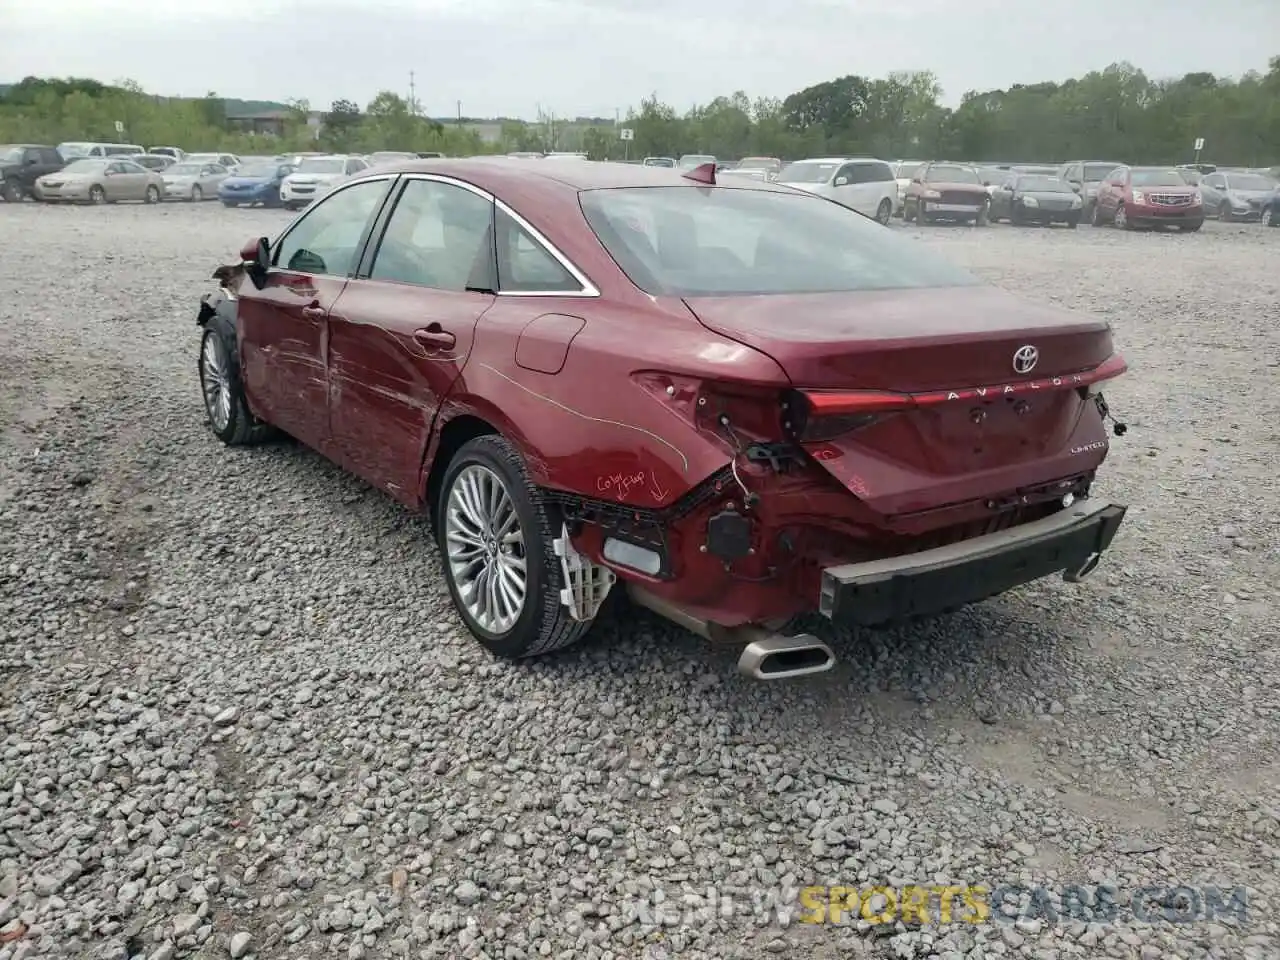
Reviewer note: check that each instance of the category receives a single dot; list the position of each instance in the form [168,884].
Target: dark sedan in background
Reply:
[258,183]
[1034,198]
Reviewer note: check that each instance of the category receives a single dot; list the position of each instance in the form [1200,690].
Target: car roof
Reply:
[496,173]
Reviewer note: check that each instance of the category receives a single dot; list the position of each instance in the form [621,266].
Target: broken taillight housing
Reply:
[811,415]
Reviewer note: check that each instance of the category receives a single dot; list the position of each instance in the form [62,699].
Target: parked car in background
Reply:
[992,177]
[1235,196]
[429,155]
[194,181]
[659,161]
[946,191]
[1035,198]
[1085,176]
[153,161]
[314,176]
[254,184]
[21,165]
[736,404]
[691,160]
[176,152]
[73,150]
[381,157]
[1133,197]
[769,166]
[100,180]
[903,171]
[1050,170]
[859,183]
[228,160]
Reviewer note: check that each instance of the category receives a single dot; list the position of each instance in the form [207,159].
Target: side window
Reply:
[327,239]
[884,173]
[853,172]
[525,265]
[440,236]
[355,166]
[31,155]
[1217,181]
[116,168]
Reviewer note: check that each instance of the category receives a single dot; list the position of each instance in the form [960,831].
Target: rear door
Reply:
[402,330]
[283,332]
[854,193]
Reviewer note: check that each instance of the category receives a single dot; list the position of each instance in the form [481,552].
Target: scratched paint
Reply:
[684,460]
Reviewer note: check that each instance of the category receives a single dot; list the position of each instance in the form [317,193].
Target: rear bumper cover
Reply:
[885,591]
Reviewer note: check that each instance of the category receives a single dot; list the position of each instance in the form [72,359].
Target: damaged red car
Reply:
[733,404]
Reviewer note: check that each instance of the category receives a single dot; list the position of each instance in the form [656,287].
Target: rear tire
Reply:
[11,192]
[152,195]
[983,218]
[543,623]
[1073,222]
[1224,212]
[225,406]
[97,194]
[196,194]
[884,213]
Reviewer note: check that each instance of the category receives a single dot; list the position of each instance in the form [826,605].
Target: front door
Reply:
[399,337]
[283,332]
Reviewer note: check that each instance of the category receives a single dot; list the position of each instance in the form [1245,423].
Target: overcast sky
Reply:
[591,57]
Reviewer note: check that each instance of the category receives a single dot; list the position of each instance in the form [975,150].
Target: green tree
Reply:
[340,126]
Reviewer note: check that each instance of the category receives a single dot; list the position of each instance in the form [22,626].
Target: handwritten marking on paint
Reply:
[858,486]
[825,452]
[684,461]
[622,484]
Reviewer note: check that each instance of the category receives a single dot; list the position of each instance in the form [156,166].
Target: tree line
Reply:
[1118,113]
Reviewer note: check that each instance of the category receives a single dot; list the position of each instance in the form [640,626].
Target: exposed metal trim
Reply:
[589,289]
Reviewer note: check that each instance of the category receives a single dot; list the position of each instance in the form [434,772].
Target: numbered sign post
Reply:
[626,135]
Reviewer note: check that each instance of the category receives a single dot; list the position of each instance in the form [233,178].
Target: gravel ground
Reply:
[239,718]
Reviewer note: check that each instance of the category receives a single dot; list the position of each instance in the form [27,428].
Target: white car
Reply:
[314,177]
[863,184]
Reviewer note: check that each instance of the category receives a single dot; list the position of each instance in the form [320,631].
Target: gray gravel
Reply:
[238,717]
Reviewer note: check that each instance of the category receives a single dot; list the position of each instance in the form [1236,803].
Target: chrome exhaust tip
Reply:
[780,658]
[1079,573]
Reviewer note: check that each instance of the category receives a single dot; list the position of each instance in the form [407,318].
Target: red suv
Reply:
[1133,197]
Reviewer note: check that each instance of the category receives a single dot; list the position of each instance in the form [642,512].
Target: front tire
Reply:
[495,536]
[984,216]
[884,213]
[196,194]
[225,406]
[11,192]
[152,194]
[97,195]
[1122,221]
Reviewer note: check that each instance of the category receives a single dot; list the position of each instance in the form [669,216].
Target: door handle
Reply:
[313,311]
[435,337]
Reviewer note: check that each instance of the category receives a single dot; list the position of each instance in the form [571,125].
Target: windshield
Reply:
[322,165]
[807,172]
[184,170]
[907,171]
[10,154]
[692,160]
[264,171]
[1249,181]
[690,242]
[1043,184]
[84,166]
[949,173]
[73,149]
[758,163]
[1097,172]
[1157,178]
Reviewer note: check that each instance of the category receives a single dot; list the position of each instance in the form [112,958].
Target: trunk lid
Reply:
[983,427]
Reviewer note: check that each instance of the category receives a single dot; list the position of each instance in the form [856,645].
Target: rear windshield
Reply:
[700,242]
[1097,172]
[1157,178]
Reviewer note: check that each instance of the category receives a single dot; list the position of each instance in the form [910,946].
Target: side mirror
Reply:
[256,256]
[841,181]
[916,180]
[986,183]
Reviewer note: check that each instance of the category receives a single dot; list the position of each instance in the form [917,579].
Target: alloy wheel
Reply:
[485,549]
[215,379]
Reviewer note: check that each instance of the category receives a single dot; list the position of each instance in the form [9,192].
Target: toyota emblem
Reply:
[1025,359]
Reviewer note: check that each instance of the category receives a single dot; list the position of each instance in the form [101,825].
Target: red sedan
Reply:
[740,401]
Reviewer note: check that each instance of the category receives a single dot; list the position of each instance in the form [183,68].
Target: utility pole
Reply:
[459,113]
[413,95]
